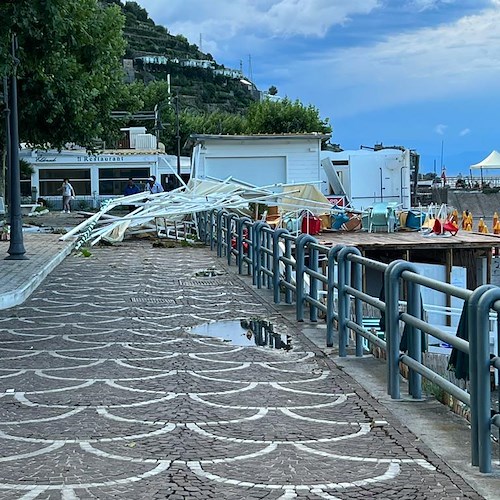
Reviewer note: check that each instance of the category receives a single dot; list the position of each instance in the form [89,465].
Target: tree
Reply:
[137,11]
[284,117]
[272,90]
[70,72]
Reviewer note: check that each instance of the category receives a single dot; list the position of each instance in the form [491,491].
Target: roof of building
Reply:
[254,137]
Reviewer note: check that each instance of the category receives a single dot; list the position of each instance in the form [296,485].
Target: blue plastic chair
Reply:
[382,215]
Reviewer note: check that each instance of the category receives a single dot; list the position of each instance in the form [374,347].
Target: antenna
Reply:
[442,148]
[250,72]
[201,43]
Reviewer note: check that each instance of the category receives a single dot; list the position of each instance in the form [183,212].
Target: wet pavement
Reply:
[105,393]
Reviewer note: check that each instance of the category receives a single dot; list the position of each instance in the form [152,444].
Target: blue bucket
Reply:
[339,220]
[415,219]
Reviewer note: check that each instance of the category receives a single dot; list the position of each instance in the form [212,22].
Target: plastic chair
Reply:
[382,214]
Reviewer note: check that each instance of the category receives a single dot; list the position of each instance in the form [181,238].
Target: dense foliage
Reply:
[70,70]
[285,117]
[71,78]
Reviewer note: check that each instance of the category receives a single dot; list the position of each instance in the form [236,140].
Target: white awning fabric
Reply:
[491,161]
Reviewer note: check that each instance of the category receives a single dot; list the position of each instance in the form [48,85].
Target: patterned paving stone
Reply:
[105,393]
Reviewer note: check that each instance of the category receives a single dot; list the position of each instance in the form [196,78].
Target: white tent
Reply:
[491,161]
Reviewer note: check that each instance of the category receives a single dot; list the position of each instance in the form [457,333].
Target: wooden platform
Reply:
[408,240]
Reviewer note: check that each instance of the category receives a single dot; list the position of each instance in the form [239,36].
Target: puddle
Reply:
[208,273]
[252,332]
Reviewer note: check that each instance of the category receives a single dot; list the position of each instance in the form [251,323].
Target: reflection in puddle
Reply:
[208,273]
[244,332]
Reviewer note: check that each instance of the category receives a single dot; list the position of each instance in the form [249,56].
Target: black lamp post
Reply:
[178,138]
[16,249]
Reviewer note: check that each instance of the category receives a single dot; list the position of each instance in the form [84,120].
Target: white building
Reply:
[104,175]
[261,160]
[231,73]
[366,176]
[198,63]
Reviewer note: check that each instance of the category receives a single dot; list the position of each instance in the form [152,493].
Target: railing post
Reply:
[483,378]
[256,254]
[472,321]
[269,256]
[313,266]
[330,294]
[277,233]
[200,222]
[288,270]
[392,287]
[414,307]
[357,283]
[229,239]
[240,255]
[220,215]
[212,225]
[344,280]
[300,244]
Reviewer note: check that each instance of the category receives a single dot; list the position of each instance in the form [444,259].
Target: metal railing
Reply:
[295,268]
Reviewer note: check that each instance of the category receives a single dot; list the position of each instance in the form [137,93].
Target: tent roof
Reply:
[491,161]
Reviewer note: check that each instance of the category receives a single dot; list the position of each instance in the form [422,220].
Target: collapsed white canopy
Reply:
[491,161]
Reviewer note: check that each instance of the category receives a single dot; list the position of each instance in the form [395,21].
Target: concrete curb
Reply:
[19,295]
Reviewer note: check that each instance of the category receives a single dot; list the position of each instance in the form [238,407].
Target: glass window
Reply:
[112,181]
[25,187]
[63,173]
[52,179]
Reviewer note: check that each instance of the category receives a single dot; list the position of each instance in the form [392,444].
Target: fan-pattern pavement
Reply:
[104,393]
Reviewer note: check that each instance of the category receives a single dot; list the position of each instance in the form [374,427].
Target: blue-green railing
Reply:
[290,267]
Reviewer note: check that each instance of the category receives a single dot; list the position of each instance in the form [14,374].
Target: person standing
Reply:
[67,193]
[131,188]
[153,186]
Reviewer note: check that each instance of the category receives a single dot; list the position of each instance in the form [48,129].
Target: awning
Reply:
[491,161]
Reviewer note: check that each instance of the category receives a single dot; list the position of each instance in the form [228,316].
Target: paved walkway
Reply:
[19,278]
[104,393]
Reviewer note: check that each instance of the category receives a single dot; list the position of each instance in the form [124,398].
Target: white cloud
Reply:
[220,20]
[465,131]
[440,129]
[313,17]
[429,64]
[423,5]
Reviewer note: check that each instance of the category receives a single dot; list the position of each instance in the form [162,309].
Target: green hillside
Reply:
[199,89]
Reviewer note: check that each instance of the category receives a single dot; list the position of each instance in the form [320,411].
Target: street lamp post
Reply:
[178,138]
[7,136]
[16,249]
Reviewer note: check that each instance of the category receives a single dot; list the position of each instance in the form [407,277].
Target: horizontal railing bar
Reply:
[267,272]
[436,379]
[365,261]
[433,284]
[316,303]
[315,274]
[373,301]
[371,337]
[288,285]
[449,338]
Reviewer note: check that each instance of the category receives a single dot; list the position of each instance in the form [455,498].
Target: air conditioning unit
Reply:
[145,141]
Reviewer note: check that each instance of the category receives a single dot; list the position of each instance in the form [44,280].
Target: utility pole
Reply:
[178,138]
[5,165]
[16,249]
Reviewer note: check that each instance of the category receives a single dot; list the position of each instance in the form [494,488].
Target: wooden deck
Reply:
[409,240]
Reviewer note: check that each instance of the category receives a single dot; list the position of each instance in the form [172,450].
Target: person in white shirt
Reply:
[153,186]
[67,193]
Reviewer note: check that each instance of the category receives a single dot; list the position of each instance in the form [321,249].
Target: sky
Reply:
[423,74]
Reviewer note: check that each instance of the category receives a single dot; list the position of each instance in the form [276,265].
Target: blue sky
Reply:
[423,74]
